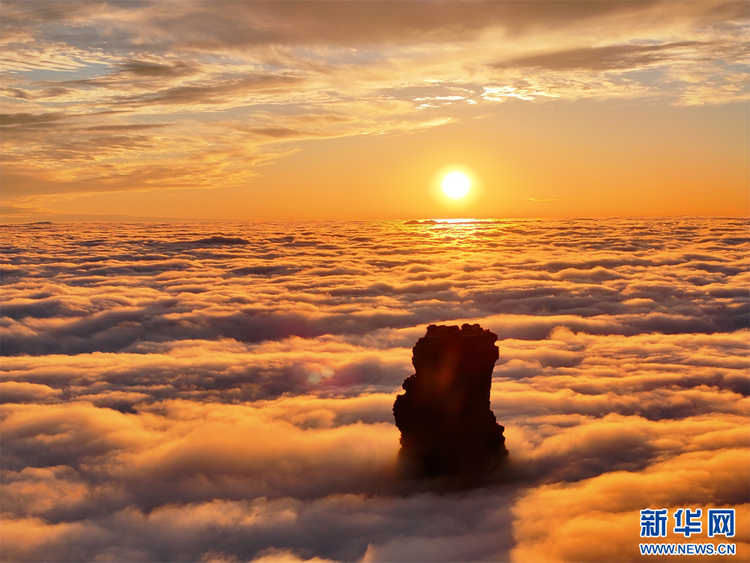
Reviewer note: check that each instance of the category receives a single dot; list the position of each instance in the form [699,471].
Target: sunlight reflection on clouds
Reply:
[224,391]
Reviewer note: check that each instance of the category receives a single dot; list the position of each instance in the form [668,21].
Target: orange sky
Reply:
[340,110]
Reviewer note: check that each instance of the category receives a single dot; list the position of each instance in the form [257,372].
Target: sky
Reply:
[277,111]
[223,392]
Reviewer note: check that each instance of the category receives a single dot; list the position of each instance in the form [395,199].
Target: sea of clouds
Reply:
[223,392]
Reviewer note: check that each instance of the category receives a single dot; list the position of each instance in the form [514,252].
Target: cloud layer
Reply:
[223,392]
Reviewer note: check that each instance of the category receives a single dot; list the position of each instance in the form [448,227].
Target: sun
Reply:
[456,185]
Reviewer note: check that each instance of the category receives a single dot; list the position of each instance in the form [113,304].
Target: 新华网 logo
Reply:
[719,522]
[687,522]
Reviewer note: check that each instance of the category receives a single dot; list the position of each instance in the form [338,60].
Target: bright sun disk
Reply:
[456,185]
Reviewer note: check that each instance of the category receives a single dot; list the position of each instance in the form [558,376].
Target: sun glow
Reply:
[456,185]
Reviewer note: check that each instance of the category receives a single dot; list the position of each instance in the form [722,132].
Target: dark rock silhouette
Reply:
[447,427]
[221,240]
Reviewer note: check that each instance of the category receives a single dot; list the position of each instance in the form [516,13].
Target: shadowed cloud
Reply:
[208,393]
[614,57]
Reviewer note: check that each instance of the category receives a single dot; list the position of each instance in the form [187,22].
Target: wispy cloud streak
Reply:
[222,84]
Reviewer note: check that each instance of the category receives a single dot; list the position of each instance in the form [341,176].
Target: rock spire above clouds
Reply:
[447,427]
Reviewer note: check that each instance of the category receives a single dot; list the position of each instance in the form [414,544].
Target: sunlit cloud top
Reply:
[210,391]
